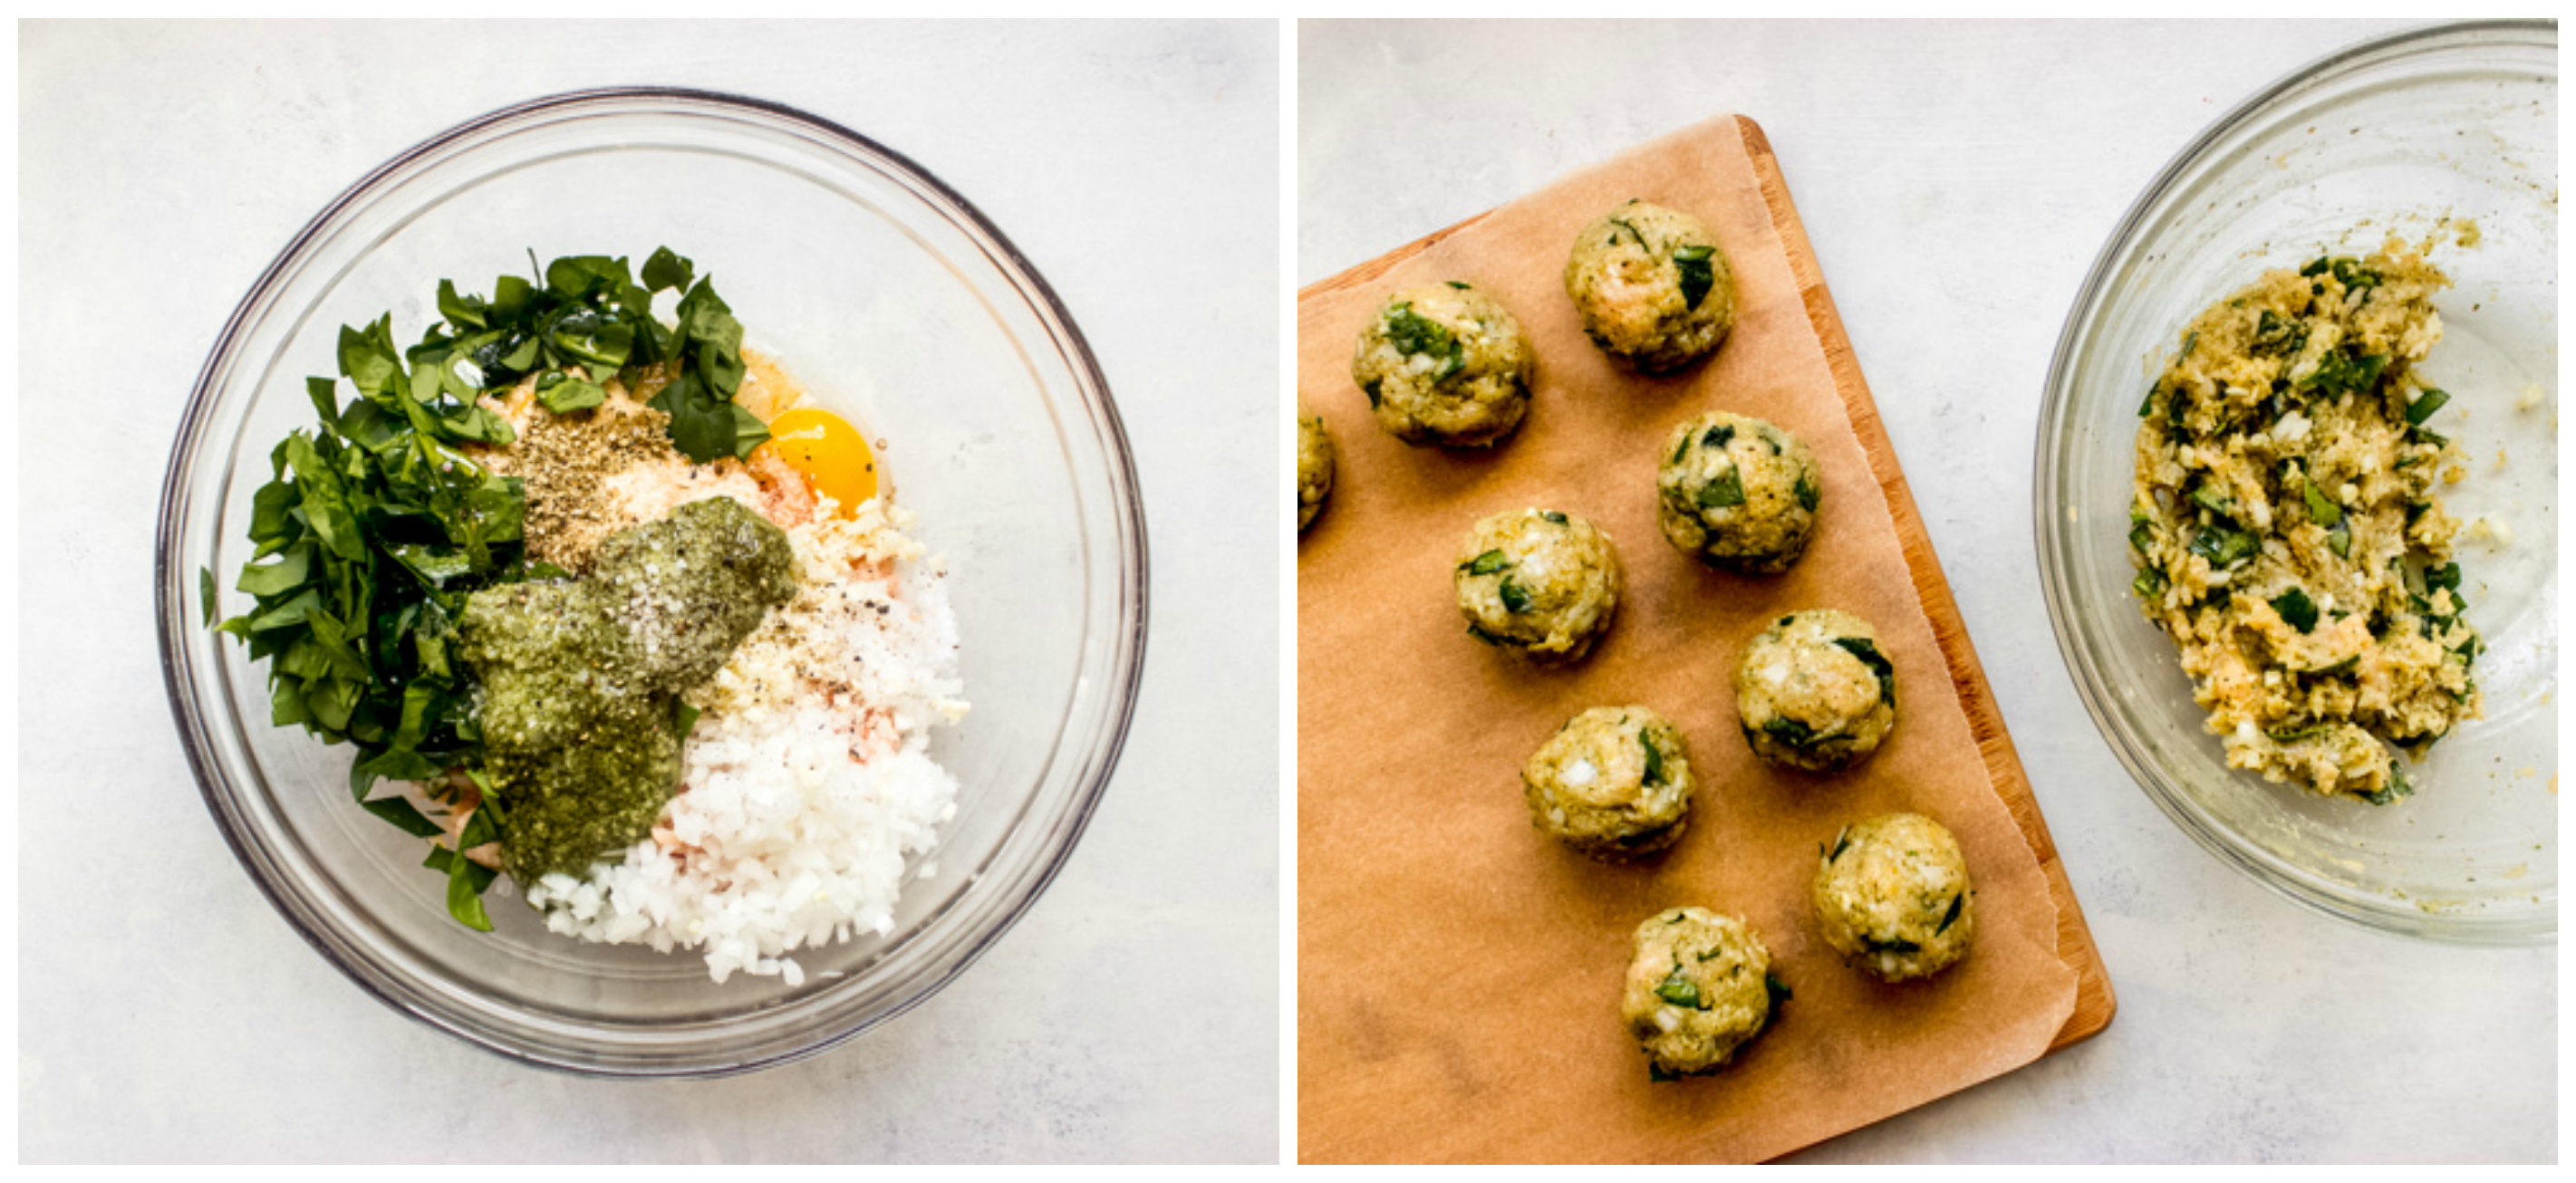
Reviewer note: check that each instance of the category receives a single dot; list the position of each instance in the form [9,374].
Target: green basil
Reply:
[2321,509]
[2296,608]
[1726,490]
[1789,731]
[1698,273]
[1869,656]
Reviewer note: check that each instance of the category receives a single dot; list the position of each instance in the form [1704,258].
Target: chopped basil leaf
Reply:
[1698,273]
[1514,599]
[1654,760]
[2296,608]
[1807,493]
[2275,334]
[2321,509]
[1678,990]
[2396,790]
[1724,491]
[1777,990]
[1553,516]
[1455,284]
[1952,916]
[2224,547]
[2445,576]
[1717,436]
[2149,584]
[2339,538]
[2341,373]
[2422,408]
[1487,563]
[1789,731]
[1414,334]
[2353,275]
[1842,842]
[1869,656]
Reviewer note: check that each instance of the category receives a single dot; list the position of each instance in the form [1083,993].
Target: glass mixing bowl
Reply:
[2394,136]
[897,305]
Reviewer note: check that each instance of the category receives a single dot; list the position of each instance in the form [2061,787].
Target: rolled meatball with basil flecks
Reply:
[1613,782]
[1892,896]
[1314,464]
[1537,581]
[1814,692]
[1738,493]
[1445,363]
[1652,285]
[1698,990]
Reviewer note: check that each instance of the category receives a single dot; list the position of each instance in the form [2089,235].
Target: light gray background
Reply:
[1957,180]
[165,1012]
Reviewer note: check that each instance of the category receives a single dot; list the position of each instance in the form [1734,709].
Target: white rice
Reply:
[807,780]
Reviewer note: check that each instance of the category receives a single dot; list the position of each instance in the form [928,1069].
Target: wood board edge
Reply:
[2095,1003]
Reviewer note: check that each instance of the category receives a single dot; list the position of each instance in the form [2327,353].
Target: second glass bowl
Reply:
[2420,135]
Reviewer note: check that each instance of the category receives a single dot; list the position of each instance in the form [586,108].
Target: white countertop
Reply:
[1957,181]
[167,1013]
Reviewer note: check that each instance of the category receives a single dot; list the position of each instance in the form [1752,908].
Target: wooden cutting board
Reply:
[1458,973]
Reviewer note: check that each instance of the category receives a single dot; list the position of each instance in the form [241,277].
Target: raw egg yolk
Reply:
[832,454]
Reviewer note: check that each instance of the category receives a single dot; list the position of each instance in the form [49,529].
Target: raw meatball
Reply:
[1738,493]
[1814,692]
[1614,783]
[1892,895]
[1314,464]
[1652,285]
[1538,581]
[1444,363]
[1700,988]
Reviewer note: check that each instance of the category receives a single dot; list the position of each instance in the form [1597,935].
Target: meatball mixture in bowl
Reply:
[1814,692]
[1445,364]
[1613,782]
[1892,896]
[1652,285]
[1538,581]
[1738,493]
[1699,988]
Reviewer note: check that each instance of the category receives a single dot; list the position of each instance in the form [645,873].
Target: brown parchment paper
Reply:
[1458,972]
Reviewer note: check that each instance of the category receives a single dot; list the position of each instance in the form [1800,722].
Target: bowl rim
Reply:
[1124,658]
[2279,877]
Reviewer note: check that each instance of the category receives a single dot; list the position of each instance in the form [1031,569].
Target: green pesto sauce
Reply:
[580,678]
